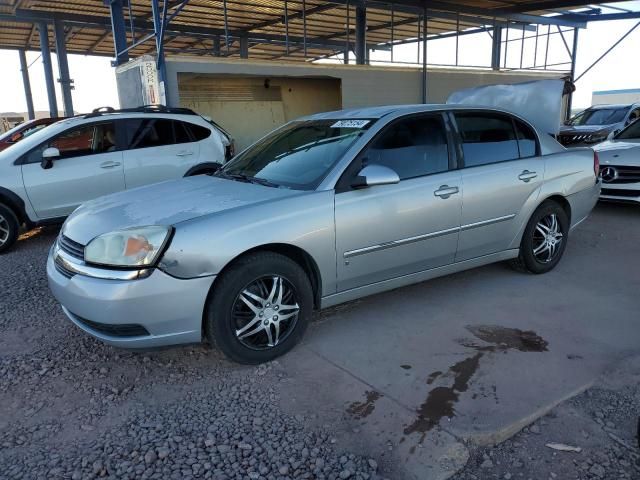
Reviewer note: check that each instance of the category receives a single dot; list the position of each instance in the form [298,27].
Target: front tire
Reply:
[9,227]
[259,308]
[544,239]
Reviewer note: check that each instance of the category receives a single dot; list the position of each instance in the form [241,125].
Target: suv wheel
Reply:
[259,308]
[544,239]
[8,228]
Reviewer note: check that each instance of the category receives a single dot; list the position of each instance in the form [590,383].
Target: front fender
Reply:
[205,245]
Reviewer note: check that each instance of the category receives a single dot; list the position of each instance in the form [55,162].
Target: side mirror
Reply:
[372,175]
[612,134]
[48,156]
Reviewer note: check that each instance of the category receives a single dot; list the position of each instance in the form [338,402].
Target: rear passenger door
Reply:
[501,173]
[387,231]
[158,149]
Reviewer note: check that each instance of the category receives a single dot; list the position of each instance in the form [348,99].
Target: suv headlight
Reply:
[133,247]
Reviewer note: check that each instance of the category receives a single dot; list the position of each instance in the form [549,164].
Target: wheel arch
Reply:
[202,167]
[295,253]
[15,203]
[562,201]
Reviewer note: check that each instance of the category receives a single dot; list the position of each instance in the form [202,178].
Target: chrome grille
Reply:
[621,174]
[62,269]
[68,246]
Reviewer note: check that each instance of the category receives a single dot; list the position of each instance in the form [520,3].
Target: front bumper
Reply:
[155,311]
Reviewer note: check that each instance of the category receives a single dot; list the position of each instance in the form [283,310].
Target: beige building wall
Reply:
[612,97]
[250,107]
[359,86]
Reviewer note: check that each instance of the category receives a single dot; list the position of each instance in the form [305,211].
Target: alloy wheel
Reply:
[4,230]
[265,312]
[547,238]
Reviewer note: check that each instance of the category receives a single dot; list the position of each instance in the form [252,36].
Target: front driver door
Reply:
[386,231]
[89,166]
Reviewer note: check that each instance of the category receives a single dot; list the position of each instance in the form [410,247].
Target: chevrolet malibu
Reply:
[323,210]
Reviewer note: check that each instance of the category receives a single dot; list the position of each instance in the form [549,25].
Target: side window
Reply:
[198,132]
[486,138]
[106,138]
[412,147]
[527,140]
[181,132]
[153,132]
[633,116]
[74,142]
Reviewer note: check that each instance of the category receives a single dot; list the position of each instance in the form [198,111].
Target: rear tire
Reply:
[544,239]
[259,308]
[9,227]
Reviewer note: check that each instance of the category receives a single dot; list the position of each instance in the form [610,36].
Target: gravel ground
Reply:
[71,407]
[601,423]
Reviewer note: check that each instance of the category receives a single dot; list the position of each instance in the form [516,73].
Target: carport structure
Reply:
[293,30]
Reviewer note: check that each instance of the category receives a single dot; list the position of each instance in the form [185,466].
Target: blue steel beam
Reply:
[63,68]
[159,23]
[48,72]
[26,83]
[119,30]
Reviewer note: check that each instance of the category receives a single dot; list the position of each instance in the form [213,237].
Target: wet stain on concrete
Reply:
[432,377]
[406,367]
[360,410]
[441,400]
[503,338]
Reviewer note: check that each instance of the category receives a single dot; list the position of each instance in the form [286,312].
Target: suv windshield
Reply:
[600,116]
[631,132]
[297,156]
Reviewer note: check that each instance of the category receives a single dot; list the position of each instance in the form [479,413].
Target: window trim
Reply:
[344,182]
[510,116]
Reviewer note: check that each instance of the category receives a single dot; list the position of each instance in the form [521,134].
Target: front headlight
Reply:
[133,247]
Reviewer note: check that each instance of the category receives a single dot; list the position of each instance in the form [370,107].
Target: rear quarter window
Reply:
[198,132]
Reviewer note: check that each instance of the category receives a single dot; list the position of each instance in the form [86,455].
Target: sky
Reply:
[95,84]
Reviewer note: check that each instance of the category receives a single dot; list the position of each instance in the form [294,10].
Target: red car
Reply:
[23,130]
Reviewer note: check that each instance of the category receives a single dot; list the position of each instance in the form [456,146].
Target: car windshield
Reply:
[632,132]
[297,156]
[600,116]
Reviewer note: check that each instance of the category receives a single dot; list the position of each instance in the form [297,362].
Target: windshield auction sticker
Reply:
[350,124]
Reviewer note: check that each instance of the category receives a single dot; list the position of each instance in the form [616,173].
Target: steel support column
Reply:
[159,22]
[496,49]
[63,68]
[119,31]
[216,46]
[424,57]
[48,72]
[26,83]
[244,47]
[361,35]
[574,54]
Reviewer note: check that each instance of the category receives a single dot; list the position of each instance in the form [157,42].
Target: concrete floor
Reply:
[410,378]
[415,374]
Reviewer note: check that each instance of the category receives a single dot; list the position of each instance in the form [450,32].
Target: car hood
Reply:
[619,152]
[166,203]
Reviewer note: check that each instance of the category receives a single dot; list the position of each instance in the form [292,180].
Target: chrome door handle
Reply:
[109,164]
[184,154]
[445,191]
[527,175]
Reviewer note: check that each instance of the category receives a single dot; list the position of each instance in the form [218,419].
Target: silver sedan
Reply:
[326,209]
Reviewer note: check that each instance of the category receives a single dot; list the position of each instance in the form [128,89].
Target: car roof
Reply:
[610,106]
[381,111]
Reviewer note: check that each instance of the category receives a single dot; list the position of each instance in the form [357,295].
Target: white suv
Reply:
[47,175]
